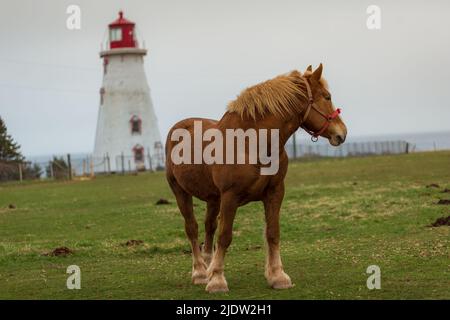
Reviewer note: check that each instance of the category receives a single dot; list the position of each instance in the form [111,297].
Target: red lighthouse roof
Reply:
[121,33]
[121,21]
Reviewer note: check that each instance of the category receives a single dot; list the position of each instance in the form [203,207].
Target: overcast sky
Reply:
[202,53]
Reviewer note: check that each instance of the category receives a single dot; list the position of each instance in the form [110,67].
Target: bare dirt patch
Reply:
[162,201]
[133,243]
[442,221]
[444,201]
[60,252]
[432,185]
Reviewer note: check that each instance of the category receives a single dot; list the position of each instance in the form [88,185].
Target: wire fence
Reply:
[349,149]
[15,171]
[89,166]
[68,167]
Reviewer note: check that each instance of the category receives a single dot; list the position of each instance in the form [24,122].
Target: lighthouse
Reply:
[127,136]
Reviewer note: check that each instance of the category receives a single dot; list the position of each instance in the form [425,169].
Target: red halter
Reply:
[328,118]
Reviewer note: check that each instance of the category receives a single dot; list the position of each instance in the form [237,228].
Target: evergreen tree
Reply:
[9,149]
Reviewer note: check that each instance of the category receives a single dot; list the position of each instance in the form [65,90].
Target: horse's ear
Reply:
[317,74]
[309,68]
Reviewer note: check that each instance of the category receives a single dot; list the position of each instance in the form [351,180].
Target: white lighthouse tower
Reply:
[127,130]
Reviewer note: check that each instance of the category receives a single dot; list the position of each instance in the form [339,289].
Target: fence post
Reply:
[84,167]
[123,162]
[91,167]
[108,163]
[20,172]
[50,166]
[69,164]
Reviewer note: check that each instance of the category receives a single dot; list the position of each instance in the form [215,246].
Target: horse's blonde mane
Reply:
[279,96]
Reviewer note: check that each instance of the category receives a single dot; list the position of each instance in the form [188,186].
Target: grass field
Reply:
[339,216]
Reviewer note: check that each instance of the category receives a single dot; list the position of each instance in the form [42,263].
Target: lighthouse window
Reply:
[136,125]
[115,34]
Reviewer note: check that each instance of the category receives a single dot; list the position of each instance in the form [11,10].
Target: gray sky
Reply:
[204,52]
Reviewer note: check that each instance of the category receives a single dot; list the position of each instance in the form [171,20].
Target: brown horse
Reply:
[282,104]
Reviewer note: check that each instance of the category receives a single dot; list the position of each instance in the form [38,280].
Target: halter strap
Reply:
[311,105]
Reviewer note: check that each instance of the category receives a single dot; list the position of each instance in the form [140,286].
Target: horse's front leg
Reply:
[275,275]
[216,277]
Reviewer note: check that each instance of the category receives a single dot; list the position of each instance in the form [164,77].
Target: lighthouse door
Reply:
[139,158]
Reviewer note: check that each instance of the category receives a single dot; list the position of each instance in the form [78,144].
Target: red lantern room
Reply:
[121,33]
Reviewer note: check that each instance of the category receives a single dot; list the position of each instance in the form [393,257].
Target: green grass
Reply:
[339,216]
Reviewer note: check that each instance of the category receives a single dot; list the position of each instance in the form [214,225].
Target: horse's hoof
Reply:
[199,276]
[280,281]
[217,284]
[200,279]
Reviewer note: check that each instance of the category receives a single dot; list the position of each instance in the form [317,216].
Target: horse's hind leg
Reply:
[184,201]
[212,211]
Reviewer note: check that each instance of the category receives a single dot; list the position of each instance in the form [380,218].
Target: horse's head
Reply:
[321,118]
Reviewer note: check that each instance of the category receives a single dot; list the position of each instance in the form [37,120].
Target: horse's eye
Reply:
[328,97]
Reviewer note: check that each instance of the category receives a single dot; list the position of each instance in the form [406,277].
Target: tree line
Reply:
[14,166]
